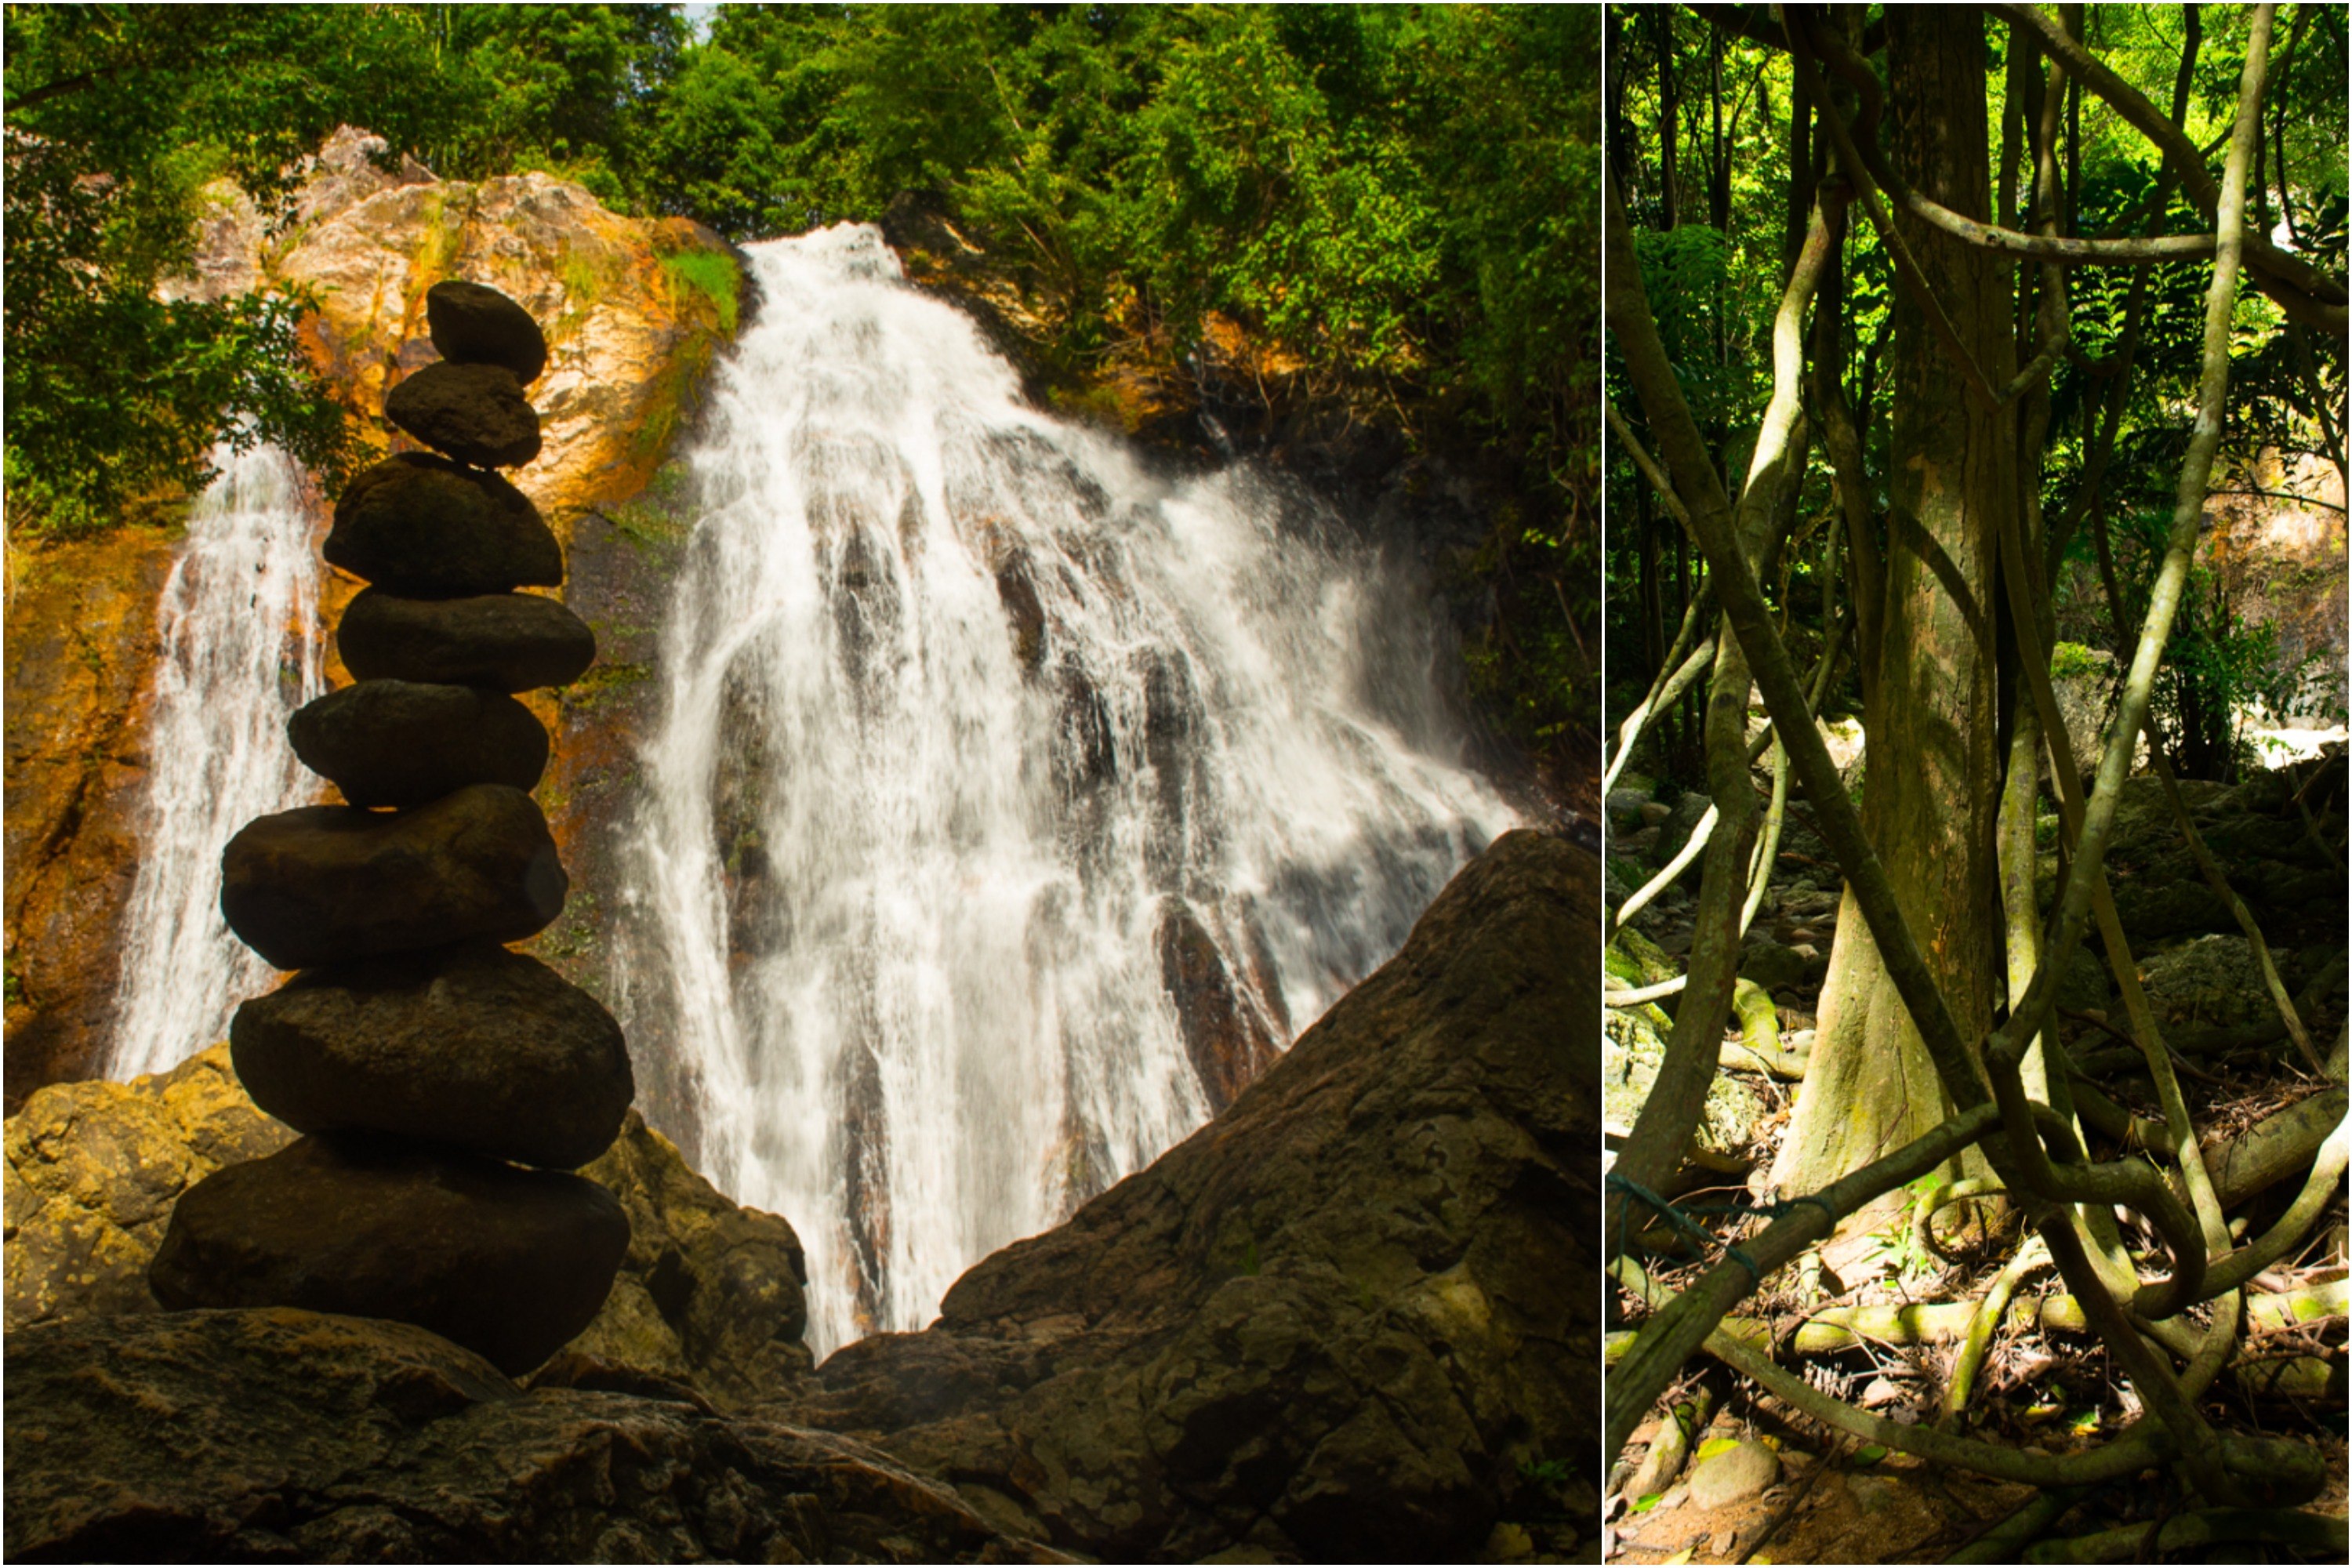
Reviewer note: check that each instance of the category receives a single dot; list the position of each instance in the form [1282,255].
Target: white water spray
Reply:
[238,625]
[976,733]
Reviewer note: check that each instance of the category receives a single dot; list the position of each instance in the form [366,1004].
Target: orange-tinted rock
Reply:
[82,645]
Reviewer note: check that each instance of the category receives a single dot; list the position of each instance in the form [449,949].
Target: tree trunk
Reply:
[1932,768]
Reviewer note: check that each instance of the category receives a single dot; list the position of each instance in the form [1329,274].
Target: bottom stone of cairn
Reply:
[509,1263]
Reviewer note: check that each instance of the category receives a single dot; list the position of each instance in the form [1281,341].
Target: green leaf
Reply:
[1644,1505]
[1870,1454]
[1714,1445]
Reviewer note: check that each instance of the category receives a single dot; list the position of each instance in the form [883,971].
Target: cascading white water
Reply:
[238,625]
[977,732]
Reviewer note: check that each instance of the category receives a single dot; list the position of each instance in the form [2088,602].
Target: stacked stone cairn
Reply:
[445,1086]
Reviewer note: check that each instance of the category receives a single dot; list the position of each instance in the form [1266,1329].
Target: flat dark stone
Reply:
[469,1045]
[507,1262]
[426,526]
[331,882]
[474,324]
[475,413]
[507,642]
[404,743]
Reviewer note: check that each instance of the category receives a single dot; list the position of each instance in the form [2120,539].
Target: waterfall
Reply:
[1008,795]
[239,652]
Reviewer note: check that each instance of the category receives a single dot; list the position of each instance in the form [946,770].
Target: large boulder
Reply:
[211,1435]
[325,883]
[506,642]
[508,1262]
[404,743]
[93,1169]
[423,525]
[470,1046]
[710,1292]
[1356,1316]
[475,413]
[474,324]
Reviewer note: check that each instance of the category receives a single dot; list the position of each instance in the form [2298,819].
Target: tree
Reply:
[1965,431]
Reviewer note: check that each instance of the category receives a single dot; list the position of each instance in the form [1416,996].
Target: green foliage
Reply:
[713,274]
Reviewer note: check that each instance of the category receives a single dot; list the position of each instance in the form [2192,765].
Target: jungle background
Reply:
[1373,225]
[1958,466]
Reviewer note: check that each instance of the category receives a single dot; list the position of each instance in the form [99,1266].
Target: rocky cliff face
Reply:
[635,312]
[1356,1316]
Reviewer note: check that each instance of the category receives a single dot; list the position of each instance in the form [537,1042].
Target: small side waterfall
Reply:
[240,652]
[1009,799]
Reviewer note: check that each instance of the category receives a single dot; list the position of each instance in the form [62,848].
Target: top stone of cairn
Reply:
[471,324]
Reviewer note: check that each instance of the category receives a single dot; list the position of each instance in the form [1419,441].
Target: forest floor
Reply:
[1830,1499]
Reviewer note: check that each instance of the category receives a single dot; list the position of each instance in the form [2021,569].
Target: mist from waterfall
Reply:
[239,627]
[976,730]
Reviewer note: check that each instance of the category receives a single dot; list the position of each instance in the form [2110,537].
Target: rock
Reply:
[1675,830]
[402,742]
[211,1435]
[329,882]
[1353,1317]
[2085,985]
[1634,1043]
[1653,813]
[1229,1044]
[424,526]
[2215,980]
[472,325]
[711,1293]
[1741,1471]
[475,413]
[1778,968]
[470,1046]
[508,1262]
[93,1169]
[82,645]
[507,642]
[708,1294]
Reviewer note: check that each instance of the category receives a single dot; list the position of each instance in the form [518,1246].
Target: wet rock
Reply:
[93,1169]
[710,1292]
[1228,1043]
[1741,1471]
[507,642]
[424,526]
[402,742]
[475,413]
[212,1435]
[507,1262]
[470,1046]
[1016,586]
[331,882]
[1352,1317]
[472,325]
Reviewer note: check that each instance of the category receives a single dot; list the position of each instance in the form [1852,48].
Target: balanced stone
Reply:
[507,1262]
[423,525]
[404,743]
[508,642]
[329,882]
[468,1045]
[472,325]
[475,413]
